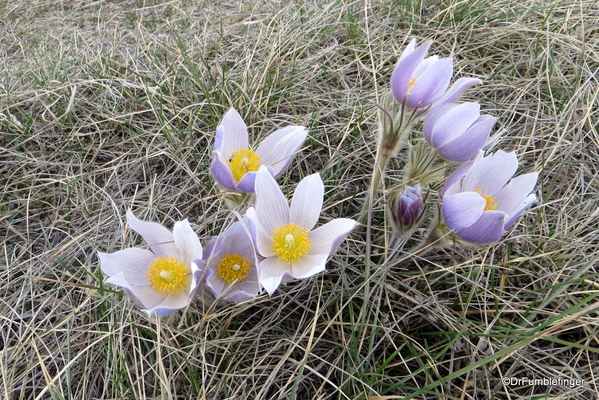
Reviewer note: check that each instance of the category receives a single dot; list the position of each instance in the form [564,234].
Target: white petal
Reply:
[278,149]
[232,133]
[170,304]
[306,204]
[324,239]
[187,242]
[529,201]
[308,265]
[263,240]
[133,263]
[157,236]
[271,273]
[144,294]
[511,198]
[272,209]
[489,174]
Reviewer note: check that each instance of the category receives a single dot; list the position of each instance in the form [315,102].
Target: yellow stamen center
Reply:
[233,267]
[290,242]
[242,162]
[412,82]
[491,201]
[169,276]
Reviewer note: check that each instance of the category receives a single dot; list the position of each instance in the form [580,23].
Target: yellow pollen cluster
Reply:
[233,267]
[242,162]
[491,201]
[169,276]
[290,242]
[412,82]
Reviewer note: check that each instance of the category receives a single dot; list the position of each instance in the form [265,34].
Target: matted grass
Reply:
[108,106]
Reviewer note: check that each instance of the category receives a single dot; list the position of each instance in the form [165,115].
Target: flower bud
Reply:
[407,209]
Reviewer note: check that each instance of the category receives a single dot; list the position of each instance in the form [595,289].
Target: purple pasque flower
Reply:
[407,208]
[419,83]
[291,247]
[164,279]
[231,263]
[478,202]
[234,163]
[457,131]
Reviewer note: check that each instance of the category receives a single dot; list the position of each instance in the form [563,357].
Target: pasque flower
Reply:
[234,163]
[479,203]
[419,83]
[161,280]
[457,131]
[407,209]
[287,240]
[231,263]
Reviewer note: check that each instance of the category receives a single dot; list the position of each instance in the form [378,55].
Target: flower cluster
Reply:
[273,242]
[478,203]
[277,241]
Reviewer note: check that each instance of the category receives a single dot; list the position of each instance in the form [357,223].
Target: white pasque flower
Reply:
[162,280]
[231,263]
[286,239]
[234,163]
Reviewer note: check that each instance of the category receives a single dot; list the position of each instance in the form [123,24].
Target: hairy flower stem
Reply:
[377,175]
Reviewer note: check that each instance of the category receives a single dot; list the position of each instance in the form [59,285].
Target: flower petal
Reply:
[187,242]
[306,203]
[461,210]
[231,134]
[279,148]
[240,296]
[271,272]
[453,183]
[326,238]
[431,85]
[488,229]
[408,50]
[143,295]
[430,120]
[529,201]
[157,236]
[489,174]
[512,196]
[169,305]
[402,74]
[263,238]
[221,172]
[239,238]
[133,263]
[248,182]
[468,144]
[453,122]
[272,209]
[308,265]
[245,289]
[456,90]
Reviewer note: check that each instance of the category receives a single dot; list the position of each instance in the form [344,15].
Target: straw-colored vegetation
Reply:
[112,105]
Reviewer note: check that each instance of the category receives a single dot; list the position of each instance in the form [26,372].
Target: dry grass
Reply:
[107,106]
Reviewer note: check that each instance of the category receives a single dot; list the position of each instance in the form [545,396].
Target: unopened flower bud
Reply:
[407,209]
